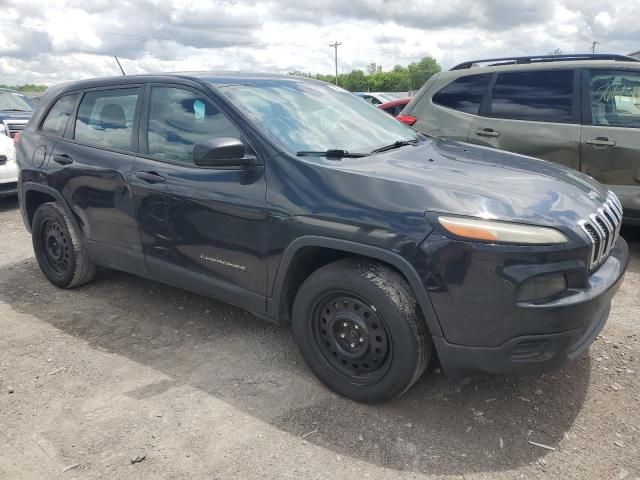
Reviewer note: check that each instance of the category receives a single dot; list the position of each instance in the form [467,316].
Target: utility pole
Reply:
[335,47]
[121,69]
[593,46]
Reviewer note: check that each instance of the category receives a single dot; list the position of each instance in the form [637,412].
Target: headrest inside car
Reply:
[112,116]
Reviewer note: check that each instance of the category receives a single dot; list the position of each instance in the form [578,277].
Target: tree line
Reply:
[399,79]
[27,87]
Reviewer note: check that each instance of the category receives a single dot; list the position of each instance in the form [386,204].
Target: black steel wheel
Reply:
[360,330]
[58,247]
[352,336]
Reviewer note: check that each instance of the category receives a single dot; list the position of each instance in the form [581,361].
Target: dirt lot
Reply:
[124,368]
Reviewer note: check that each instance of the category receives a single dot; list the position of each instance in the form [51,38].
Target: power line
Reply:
[593,46]
[335,46]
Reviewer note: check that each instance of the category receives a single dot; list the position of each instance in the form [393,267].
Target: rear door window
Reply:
[463,94]
[615,98]
[56,120]
[542,96]
[105,118]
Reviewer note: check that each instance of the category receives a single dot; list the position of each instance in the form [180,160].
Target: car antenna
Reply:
[121,69]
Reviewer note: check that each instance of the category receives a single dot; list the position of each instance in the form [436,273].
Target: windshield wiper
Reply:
[14,110]
[331,153]
[396,144]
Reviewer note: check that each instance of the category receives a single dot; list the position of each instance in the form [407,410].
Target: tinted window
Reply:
[106,118]
[464,94]
[56,121]
[544,96]
[390,110]
[179,119]
[615,98]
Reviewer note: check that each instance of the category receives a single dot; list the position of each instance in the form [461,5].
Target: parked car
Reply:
[15,111]
[377,98]
[582,111]
[295,200]
[394,107]
[8,167]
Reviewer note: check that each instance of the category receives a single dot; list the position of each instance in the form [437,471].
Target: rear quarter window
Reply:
[464,94]
[56,120]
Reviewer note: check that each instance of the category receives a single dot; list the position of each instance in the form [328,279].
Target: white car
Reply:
[8,167]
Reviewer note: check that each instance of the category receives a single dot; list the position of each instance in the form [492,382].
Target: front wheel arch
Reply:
[277,305]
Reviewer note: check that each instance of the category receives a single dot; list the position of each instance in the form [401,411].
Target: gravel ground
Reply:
[128,378]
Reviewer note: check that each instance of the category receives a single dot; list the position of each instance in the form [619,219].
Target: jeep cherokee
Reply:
[294,199]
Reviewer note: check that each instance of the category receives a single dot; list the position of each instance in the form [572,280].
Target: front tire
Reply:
[360,330]
[58,247]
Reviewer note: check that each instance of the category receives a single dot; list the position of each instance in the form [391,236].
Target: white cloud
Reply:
[56,40]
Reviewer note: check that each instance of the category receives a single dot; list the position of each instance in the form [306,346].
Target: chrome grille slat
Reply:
[610,230]
[602,229]
[14,126]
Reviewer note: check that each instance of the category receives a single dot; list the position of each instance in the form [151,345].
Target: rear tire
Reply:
[58,247]
[360,330]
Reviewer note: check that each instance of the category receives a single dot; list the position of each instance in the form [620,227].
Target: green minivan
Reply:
[582,111]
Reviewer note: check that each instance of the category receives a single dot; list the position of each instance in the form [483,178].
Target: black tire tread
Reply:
[388,284]
[399,292]
[84,268]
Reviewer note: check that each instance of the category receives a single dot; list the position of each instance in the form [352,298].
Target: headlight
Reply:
[501,232]
[3,130]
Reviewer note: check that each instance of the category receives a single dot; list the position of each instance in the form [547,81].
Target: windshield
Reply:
[314,116]
[15,101]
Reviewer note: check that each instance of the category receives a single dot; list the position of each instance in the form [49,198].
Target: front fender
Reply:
[391,258]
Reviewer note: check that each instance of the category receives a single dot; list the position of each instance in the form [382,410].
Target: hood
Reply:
[459,178]
[6,115]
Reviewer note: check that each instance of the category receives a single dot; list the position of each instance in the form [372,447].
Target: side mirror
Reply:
[221,152]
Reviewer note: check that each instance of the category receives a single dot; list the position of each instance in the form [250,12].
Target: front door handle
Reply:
[601,142]
[150,177]
[63,159]
[487,132]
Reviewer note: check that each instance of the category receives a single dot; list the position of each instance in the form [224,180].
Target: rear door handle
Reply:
[150,177]
[63,159]
[601,142]
[487,132]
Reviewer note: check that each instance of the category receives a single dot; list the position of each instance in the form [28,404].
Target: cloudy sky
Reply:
[50,41]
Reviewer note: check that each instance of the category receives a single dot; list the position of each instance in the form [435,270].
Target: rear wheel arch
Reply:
[35,195]
[309,253]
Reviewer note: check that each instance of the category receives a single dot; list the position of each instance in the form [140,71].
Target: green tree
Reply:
[399,79]
[28,87]
[356,81]
[422,71]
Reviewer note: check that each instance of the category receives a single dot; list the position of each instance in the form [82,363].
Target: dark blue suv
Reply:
[294,199]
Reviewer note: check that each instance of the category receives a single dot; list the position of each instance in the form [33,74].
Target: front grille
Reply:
[15,126]
[603,228]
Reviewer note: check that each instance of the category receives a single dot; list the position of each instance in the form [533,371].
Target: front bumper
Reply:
[542,336]
[8,179]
